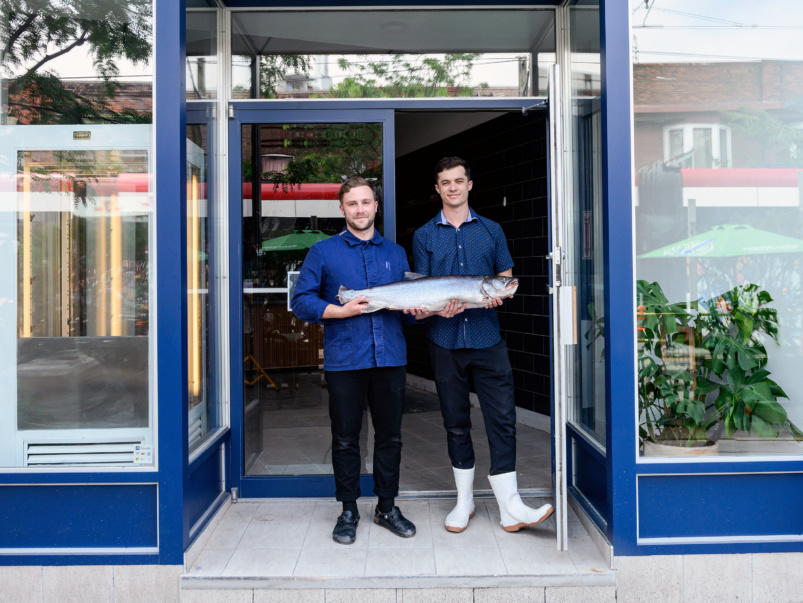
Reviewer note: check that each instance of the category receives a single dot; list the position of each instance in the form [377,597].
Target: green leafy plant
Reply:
[702,365]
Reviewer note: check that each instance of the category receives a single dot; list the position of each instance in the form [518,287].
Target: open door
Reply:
[563,305]
[285,171]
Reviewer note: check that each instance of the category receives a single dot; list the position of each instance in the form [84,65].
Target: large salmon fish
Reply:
[432,293]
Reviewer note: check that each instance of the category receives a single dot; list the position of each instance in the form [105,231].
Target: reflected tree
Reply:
[36,32]
[403,75]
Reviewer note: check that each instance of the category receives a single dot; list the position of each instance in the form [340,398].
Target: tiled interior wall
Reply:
[509,171]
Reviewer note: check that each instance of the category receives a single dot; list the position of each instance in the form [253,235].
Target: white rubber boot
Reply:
[514,513]
[457,520]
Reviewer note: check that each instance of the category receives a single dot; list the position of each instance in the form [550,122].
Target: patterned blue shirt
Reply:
[478,246]
[366,340]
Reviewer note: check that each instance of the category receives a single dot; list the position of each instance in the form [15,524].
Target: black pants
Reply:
[489,369]
[348,390]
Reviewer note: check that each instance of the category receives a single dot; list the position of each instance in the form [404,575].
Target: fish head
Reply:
[500,286]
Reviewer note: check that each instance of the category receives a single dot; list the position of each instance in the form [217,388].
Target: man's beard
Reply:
[353,224]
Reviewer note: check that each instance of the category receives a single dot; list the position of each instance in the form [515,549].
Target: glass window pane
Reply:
[719,252]
[702,147]
[203,287]
[386,59]
[587,364]
[75,165]
[201,55]
[291,176]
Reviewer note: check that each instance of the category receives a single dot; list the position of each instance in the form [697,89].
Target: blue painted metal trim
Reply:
[171,262]
[236,302]
[115,477]
[301,486]
[617,179]
[211,447]
[390,104]
[582,439]
[99,509]
[291,4]
[80,559]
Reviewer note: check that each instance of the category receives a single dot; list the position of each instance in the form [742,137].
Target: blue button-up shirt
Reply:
[477,246]
[362,341]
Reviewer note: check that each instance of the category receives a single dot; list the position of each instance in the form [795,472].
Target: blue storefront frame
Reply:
[689,497]
[167,503]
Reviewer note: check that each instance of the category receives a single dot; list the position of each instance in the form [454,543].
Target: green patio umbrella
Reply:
[728,240]
[296,241]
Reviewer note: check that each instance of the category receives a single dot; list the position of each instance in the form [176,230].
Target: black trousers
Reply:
[383,387]
[489,369]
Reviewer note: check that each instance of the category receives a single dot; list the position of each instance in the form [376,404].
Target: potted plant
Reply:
[702,368]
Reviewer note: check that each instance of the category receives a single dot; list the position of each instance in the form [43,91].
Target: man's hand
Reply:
[450,310]
[347,310]
[496,301]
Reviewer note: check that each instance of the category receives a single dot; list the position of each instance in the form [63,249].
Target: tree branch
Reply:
[20,30]
[78,42]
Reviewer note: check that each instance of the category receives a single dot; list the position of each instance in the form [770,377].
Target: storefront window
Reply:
[201,55]
[77,224]
[719,235]
[380,54]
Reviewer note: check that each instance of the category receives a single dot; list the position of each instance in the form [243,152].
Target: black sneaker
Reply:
[345,531]
[395,522]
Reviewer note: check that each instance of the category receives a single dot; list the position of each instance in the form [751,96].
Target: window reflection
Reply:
[719,237]
[75,143]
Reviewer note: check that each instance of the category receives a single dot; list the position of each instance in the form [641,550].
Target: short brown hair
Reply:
[447,163]
[354,182]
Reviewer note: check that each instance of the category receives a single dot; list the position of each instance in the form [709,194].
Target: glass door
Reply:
[563,304]
[285,170]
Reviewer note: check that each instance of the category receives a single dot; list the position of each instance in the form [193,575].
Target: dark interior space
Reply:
[508,156]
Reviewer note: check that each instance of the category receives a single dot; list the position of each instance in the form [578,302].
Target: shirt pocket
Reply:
[337,343]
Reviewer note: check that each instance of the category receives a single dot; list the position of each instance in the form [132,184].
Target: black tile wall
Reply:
[509,171]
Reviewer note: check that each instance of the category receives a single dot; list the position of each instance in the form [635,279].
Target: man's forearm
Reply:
[332,311]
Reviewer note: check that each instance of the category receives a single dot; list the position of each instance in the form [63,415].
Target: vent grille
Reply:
[81,453]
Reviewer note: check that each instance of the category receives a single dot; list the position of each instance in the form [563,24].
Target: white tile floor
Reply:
[292,539]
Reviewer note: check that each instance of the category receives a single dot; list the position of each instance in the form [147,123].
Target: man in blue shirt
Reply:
[468,348]
[364,354]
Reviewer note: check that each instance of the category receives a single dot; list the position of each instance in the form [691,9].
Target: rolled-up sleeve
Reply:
[420,255]
[307,303]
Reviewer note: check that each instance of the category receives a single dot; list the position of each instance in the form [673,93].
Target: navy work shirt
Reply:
[477,247]
[362,341]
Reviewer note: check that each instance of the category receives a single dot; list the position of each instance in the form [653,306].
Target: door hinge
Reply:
[231,111]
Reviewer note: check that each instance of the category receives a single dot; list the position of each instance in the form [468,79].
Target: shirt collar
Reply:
[352,240]
[442,220]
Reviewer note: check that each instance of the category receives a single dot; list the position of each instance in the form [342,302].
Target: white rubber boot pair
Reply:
[514,513]
[457,520]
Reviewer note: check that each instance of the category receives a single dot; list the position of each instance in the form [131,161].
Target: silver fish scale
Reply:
[430,293]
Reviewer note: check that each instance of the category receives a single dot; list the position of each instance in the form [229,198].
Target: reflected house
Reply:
[130,102]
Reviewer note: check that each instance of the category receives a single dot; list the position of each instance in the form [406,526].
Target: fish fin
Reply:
[413,276]
[340,292]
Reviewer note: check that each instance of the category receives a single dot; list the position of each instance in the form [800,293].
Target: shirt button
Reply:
[460,247]
[461,263]
[466,319]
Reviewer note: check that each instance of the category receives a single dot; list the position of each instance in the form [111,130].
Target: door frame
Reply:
[250,112]
[345,111]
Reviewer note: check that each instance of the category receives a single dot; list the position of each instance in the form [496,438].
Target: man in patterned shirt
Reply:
[465,346]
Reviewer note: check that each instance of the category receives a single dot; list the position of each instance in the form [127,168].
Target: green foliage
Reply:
[407,76]
[38,31]
[765,132]
[274,67]
[703,364]
[325,153]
